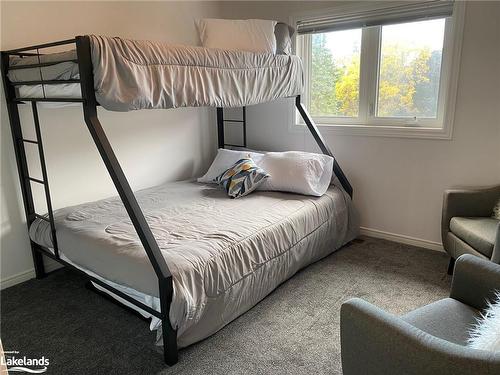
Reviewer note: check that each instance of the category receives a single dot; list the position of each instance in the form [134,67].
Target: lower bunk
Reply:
[225,255]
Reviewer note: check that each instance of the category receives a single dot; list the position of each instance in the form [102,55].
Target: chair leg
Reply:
[451,265]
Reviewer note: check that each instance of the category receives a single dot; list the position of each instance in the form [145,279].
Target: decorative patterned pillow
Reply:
[242,178]
[496,210]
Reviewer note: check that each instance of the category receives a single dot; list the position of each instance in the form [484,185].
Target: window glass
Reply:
[335,63]
[410,69]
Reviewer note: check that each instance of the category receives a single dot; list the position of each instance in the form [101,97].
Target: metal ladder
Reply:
[32,215]
[221,121]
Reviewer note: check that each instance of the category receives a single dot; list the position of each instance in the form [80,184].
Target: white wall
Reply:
[398,183]
[153,146]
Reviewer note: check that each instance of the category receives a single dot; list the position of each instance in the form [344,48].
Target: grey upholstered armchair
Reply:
[467,226]
[429,340]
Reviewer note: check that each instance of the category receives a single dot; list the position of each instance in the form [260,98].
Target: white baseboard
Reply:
[17,278]
[407,240]
[50,265]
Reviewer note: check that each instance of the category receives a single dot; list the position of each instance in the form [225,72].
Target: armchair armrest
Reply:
[467,202]
[475,281]
[375,342]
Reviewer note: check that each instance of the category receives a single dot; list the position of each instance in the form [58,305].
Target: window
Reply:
[335,62]
[386,70]
[410,69]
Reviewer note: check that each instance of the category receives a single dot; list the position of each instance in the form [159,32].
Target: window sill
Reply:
[386,131]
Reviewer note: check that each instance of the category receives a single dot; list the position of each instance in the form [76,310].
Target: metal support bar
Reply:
[30,141]
[41,217]
[55,100]
[322,145]
[169,334]
[233,145]
[127,196]
[22,54]
[244,126]
[220,127]
[40,65]
[47,82]
[40,46]
[35,180]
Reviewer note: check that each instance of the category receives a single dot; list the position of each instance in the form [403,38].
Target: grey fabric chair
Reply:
[467,226]
[429,340]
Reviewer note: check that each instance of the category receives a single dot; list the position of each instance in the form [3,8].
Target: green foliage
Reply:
[324,78]
[347,90]
[408,82]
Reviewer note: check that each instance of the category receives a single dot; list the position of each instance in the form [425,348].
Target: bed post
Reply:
[128,198]
[322,145]
[220,127]
[22,164]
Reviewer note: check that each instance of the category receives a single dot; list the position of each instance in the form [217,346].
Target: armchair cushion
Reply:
[447,319]
[478,232]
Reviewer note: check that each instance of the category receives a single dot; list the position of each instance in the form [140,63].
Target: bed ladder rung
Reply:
[36,180]
[41,65]
[50,100]
[45,82]
[29,141]
[38,216]
[233,145]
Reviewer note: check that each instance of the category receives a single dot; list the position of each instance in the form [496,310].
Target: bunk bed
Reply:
[199,260]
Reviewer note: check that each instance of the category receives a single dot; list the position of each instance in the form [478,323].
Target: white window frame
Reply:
[367,123]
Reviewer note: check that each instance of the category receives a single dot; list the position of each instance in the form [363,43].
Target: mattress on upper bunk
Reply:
[130,74]
[225,254]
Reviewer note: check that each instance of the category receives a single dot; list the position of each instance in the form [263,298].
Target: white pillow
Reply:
[485,335]
[239,35]
[297,172]
[225,159]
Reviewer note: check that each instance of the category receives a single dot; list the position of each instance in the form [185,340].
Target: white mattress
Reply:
[225,255]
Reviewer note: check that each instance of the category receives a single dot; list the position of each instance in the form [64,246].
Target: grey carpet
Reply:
[295,330]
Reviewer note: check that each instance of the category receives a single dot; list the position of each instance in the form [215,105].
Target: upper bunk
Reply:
[137,74]
[125,75]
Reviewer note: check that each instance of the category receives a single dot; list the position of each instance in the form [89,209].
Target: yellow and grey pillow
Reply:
[242,178]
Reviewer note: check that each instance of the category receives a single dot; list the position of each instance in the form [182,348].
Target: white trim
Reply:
[440,128]
[386,131]
[50,265]
[17,278]
[401,238]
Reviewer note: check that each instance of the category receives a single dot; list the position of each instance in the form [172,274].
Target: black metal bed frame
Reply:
[110,160]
